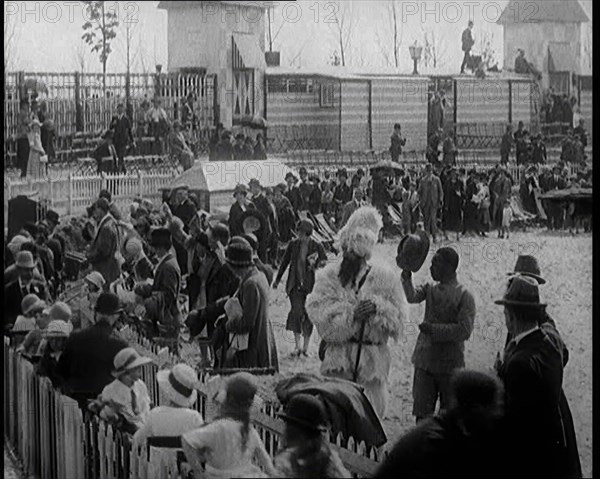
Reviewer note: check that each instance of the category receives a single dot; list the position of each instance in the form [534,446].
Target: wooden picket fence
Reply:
[55,440]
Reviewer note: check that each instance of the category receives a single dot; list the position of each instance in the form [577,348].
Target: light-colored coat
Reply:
[331,309]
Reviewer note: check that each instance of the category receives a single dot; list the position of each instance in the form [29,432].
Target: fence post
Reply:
[70,195]
[50,192]
[78,105]
[140,185]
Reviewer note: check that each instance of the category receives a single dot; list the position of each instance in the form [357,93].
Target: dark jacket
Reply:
[260,153]
[87,360]
[102,151]
[467,40]
[103,250]
[13,295]
[532,373]
[185,211]
[290,259]
[122,130]
[539,153]
[235,218]
[293,195]
[438,448]
[304,189]
[166,286]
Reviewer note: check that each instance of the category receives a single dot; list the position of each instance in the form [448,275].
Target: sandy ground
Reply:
[566,264]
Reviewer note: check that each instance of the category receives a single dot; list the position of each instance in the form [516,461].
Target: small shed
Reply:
[214,181]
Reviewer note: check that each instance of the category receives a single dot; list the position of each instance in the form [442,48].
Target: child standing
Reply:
[507,215]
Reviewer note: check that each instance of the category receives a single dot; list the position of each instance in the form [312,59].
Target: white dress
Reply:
[221,441]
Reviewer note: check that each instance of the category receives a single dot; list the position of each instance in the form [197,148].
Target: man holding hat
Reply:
[87,360]
[448,323]
[25,284]
[532,372]
[303,255]
[102,254]
[167,283]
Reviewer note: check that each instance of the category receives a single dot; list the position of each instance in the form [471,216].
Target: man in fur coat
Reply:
[357,304]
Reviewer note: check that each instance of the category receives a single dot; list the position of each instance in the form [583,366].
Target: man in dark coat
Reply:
[239,152]
[167,284]
[460,442]
[553,208]
[224,149]
[237,209]
[532,372]
[87,360]
[102,254]
[248,314]
[506,145]
[303,255]
[397,142]
[350,207]
[123,137]
[262,204]
[184,209]
[342,194]
[260,152]
[286,216]
[431,199]
[106,150]
[25,284]
[538,153]
[304,188]
[314,200]
[293,193]
[580,133]
[467,44]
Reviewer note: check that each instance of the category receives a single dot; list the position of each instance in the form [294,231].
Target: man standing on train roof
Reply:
[467,44]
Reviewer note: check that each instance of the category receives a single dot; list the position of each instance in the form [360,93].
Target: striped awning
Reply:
[561,58]
[247,52]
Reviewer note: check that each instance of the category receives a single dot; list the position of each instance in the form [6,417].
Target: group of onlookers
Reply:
[35,138]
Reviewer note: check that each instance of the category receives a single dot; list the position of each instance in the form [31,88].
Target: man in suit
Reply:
[342,193]
[237,209]
[500,190]
[262,204]
[123,137]
[467,44]
[352,206]
[532,373]
[553,208]
[304,187]
[431,199]
[303,255]
[106,151]
[24,284]
[167,284]
[184,209]
[293,193]
[102,254]
[87,360]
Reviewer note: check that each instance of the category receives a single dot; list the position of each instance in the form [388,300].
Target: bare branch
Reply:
[10,40]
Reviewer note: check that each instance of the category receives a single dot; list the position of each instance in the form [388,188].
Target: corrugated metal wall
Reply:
[355,115]
[521,103]
[401,101]
[484,101]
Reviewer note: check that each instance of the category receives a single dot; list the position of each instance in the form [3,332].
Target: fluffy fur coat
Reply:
[331,309]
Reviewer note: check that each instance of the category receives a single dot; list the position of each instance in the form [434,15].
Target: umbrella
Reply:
[36,85]
[386,164]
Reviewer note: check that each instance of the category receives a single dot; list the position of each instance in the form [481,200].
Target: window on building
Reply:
[243,100]
[327,95]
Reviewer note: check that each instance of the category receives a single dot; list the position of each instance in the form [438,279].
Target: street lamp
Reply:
[415,54]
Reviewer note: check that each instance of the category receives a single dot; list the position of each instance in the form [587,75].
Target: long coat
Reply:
[331,306]
[262,349]
[452,214]
[430,191]
[290,258]
[166,287]
[500,190]
[235,218]
[532,373]
[103,251]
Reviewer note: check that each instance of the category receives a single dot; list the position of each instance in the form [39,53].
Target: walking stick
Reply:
[360,343]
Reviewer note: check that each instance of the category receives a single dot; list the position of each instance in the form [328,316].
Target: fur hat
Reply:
[361,232]
[365,217]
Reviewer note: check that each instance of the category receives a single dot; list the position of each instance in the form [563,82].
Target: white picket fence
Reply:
[70,194]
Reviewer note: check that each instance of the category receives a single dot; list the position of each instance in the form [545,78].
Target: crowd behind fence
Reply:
[54,439]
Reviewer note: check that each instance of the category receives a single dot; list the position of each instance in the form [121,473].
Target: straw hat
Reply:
[126,360]
[58,329]
[96,279]
[59,311]
[522,291]
[179,384]
[15,244]
[31,303]
[24,260]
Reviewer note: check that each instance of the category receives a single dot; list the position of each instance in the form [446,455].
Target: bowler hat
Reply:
[291,175]
[24,260]
[161,237]
[527,265]
[412,251]
[306,412]
[239,188]
[108,304]
[522,291]
[239,252]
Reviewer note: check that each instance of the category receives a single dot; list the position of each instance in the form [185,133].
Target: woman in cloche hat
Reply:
[165,424]
[307,450]
[229,445]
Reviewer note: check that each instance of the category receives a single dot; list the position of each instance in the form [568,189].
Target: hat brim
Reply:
[135,364]
[511,302]
[538,278]
[162,378]
[414,262]
[301,423]
[239,264]
[25,266]
[39,305]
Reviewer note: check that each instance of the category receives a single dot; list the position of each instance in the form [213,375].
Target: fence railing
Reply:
[55,440]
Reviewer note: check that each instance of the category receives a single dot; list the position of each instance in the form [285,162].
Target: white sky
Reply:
[48,34]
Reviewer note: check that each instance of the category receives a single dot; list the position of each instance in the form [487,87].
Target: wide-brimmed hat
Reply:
[96,279]
[60,311]
[58,329]
[15,244]
[179,384]
[24,260]
[522,291]
[108,304]
[239,252]
[291,175]
[412,251]
[31,303]
[240,188]
[306,412]
[527,265]
[126,360]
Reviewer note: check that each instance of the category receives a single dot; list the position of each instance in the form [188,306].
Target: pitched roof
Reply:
[535,11]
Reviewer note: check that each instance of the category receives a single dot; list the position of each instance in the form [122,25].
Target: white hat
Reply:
[361,232]
[96,279]
[15,244]
[126,360]
[179,384]
[58,329]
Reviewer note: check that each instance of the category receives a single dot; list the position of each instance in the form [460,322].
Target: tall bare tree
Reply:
[10,41]
[342,25]
[81,56]
[390,39]
[434,49]
[485,44]
[588,47]
[273,24]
